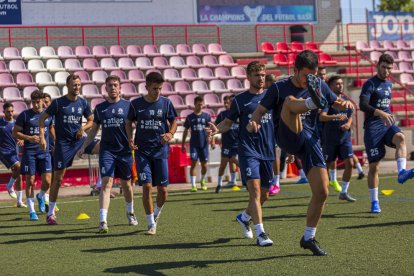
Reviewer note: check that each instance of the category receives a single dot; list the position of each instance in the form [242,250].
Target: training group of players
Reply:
[254,122]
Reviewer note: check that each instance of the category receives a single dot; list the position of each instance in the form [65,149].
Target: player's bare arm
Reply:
[43,117]
[257,115]
[324,117]
[343,105]
[18,134]
[185,133]
[166,137]
[85,127]
[89,138]
[223,127]
[128,128]
[347,125]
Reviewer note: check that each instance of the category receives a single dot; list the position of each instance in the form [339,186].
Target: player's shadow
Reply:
[157,268]
[48,232]
[206,199]
[191,245]
[29,225]
[264,207]
[385,224]
[72,238]
[221,202]
[13,219]
[324,216]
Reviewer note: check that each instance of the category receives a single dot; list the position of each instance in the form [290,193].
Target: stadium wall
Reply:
[235,38]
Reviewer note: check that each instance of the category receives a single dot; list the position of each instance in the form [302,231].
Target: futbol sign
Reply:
[391,25]
[10,12]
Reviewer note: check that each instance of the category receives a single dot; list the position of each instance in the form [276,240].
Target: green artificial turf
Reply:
[197,234]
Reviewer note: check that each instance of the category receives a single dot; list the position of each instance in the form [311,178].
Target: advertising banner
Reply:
[10,12]
[265,13]
[391,25]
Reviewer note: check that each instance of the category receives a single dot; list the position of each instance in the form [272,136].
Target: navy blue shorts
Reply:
[342,151]
[9,158]
[115,165]
[228,152]
[151,170]
[254,168]
[305,145]
[376,139]
[65,153]
[199,153]
[91,146]
[33,163]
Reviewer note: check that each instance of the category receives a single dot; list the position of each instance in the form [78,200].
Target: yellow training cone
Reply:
[387,192]
[235,188]
[83,216]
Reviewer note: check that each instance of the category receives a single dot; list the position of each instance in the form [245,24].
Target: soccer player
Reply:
[322,73]
[295,102]
[155,118]
[229,145]
[115,157]
[34,159]
[68,111]
[8,153]
[380,128]
[256,151]
[275,188]
[197,122]
[337,137]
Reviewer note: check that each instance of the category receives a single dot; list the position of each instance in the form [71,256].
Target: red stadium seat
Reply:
[281,60]
[326,59]
[267,48]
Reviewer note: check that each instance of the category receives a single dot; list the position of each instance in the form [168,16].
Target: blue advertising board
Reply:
[10,12]
[391,25]
[257,13]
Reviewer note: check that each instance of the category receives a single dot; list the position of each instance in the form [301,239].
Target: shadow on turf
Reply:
[246,200]
[324,216]
[155,268]
[386,224]
[209,198]
[72,238]
[191,245]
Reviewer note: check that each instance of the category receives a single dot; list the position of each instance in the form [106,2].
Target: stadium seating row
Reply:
[124,63]
[117,51]
[90,91]
[284,48]
[288,60]
[386,45]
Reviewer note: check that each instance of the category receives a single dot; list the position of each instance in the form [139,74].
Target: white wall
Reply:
[114,13]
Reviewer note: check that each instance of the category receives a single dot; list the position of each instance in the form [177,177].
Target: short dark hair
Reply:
[36,95]
[7,105]
[333,79]
[154,77]
[306,59]
[254,66]
[321,68]
[386,58]
[226,98]
[72,77]
[113,78]
[46,95]
[270,77]
[198,99]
